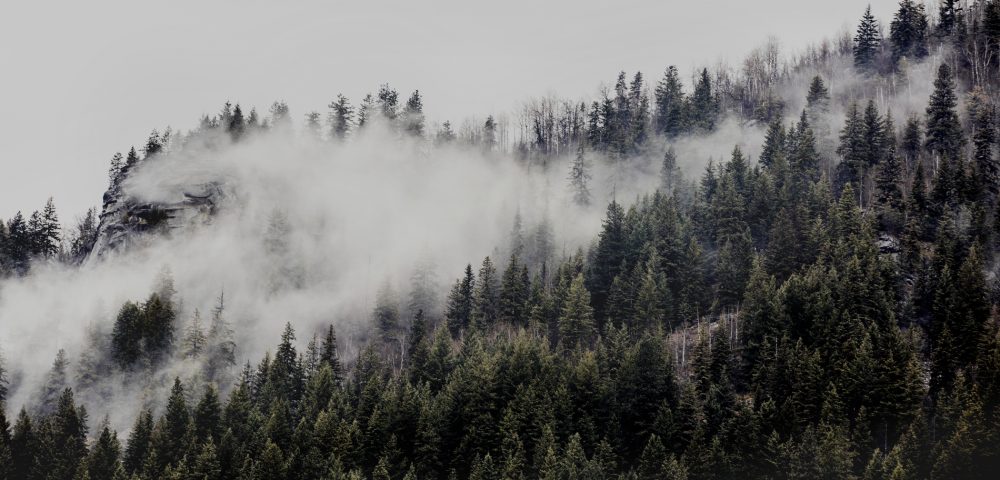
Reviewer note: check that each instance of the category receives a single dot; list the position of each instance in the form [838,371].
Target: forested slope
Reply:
[820,303]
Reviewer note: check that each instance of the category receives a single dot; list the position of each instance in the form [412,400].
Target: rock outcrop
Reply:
[126,220]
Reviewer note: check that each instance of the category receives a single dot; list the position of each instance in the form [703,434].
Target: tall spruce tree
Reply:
[944,131]
[669,109]
[908,31]
[867,43]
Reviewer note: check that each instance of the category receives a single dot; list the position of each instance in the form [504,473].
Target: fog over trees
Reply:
[783,268]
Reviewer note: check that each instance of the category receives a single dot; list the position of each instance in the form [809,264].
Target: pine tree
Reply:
[328,355]
[24,445]
[445,135]
[608,257]
[983,115]
[818,97]
[485,298]
[340,117]
[670,173]
[852,149]
[48,232]
[489,134]
[704,105]
[908,31]
[56,382]
[461,303]
[576,322]
[867,43]
[64,439]
[174,433]
[514,286]
[579,177]
[669,116]
[103,460]
[207,417]
[313,126]
[639,112]
[386,314]
[944,132]
[947,15]
[194,342]
[137,447]
[220,343]
[6,454]
[413,115]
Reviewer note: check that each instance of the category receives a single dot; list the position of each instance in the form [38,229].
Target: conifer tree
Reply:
[485,298]
[413,115]
[670,173]
[908,31]
[579,177]
[137,447]
[947,15]
[818,97]
[461,303]
[704,105]
[576,322]
[514,292]
[608,257]
[340,117]
[386,314]
[944,132]
[24,445]
[328,355]
[867,43]
[669,116]
[194,342]
[983,115]
[103,460]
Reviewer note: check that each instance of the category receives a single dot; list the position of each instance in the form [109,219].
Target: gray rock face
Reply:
[126,220]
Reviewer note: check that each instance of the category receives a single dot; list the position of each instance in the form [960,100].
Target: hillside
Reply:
[782,269]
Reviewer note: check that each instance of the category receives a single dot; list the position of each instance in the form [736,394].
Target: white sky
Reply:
[82,80]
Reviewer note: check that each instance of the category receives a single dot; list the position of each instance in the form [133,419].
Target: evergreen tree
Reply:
[669,116]
[194,342]
[340,117]
[64,440]
[386,314]
[579,177]
[103,460]
[24,446]
[947,16]
[944,132]
[818,97]
[485,298]
[983,116]
[576,322]
[413,115]
[867,43]
[137,448]
[908,31]
[514,286]
[461,302]
[670,174]
[328,355]
[704,105]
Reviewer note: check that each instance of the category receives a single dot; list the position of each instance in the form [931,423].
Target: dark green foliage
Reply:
[944,132]
[908,31]
[867,43]
[670,109]
[460,302]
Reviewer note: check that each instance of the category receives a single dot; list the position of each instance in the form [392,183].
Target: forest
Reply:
[820,304]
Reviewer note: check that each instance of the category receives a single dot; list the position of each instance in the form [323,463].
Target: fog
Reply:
[357,214]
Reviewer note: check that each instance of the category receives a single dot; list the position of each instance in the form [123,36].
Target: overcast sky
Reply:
[82,80]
